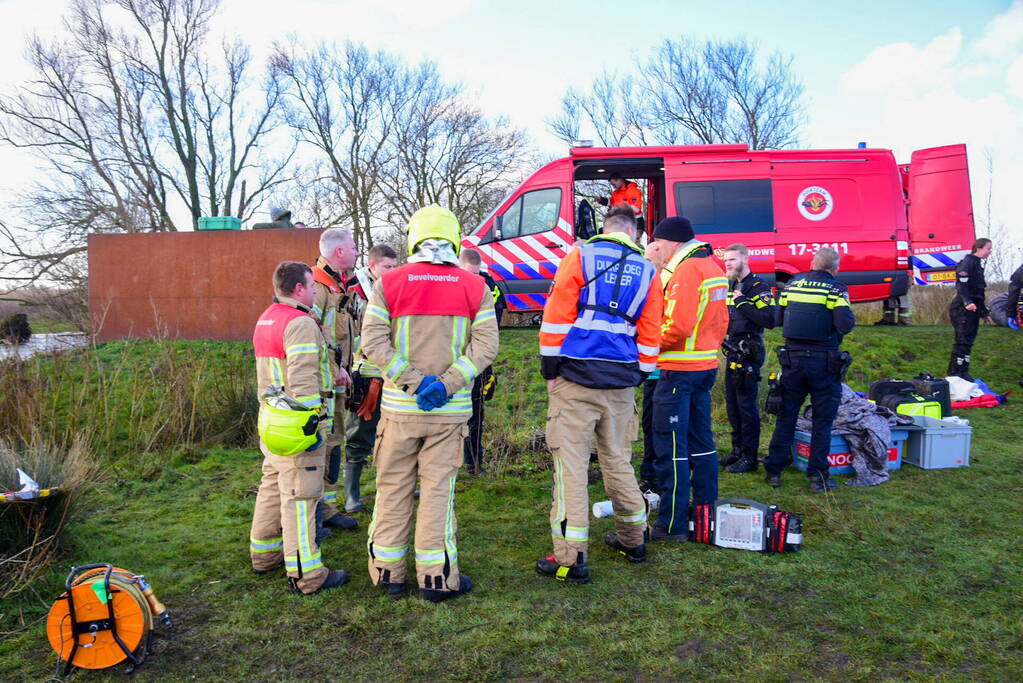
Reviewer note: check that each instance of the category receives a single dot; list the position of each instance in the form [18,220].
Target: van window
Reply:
[533,212]
[726,205]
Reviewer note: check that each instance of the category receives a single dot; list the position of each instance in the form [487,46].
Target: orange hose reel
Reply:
[105,616]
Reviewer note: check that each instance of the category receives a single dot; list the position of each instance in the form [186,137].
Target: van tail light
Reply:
[902,254]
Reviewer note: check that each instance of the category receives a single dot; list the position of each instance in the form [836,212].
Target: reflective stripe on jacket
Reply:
[814,311]
[695,309]
[290,351]
[430,320]
[603,309]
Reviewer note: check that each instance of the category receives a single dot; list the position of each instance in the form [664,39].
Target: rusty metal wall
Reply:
[188,285]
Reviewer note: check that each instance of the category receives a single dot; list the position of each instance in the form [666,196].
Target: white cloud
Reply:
[1003,36]
[901,66]
[1015,77]
[946,91]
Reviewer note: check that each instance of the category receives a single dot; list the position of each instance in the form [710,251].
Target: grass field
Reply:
[919,578]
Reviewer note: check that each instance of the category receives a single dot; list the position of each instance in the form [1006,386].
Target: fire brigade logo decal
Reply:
[815,203]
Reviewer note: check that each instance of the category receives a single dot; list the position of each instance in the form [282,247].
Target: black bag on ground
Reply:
[885,387]
[934,389]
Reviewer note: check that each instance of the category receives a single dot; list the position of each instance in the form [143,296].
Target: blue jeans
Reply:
[684,445]
[806,374]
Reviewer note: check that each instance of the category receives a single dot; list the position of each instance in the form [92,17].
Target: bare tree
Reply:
[130,112]
[393,137]
[689,93]
[447,152]
[341,101]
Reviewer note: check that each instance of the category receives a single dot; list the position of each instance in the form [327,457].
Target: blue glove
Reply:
[317,443]
[427,381]
[1014,323]
[434,395]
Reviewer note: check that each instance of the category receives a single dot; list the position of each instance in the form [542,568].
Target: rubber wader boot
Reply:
[353,502]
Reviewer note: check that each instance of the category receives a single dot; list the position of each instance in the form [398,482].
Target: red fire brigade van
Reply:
[782,204]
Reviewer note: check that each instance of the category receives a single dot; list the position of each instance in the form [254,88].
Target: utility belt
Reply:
[746,525]
[744,355]
[838,362]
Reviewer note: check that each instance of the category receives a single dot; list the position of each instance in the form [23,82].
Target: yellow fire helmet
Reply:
[433,222]
[287,432]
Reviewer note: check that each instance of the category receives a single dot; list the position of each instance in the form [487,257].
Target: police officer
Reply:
[483,385]
[815,315]
[968,307]
[750,311]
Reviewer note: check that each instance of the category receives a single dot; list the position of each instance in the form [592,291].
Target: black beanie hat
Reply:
[674,229]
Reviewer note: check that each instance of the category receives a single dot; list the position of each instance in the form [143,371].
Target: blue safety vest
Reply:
[617,285]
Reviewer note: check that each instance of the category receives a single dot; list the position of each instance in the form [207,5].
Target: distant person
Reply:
[279,218]
[750,312]
[968,307]
[896,310]
[367,379]
[471,261]
[815,316]
[299,225]
[1014,301]
[625,192]
[291,353]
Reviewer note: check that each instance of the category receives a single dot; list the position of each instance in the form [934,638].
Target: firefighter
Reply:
[598,340]
[750,312]
[483,385]
[968,307]
[628,193]
[815,315]
[694,324]
[431,327]
[330,309]
[366,379]
[291,353]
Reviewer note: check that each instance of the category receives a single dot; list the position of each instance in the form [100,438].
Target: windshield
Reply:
[493,211]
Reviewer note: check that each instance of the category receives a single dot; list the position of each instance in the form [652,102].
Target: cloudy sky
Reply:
[904,75]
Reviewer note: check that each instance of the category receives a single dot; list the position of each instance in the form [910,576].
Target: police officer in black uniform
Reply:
[484,384]
[750,311]
[815,315]
[968,307]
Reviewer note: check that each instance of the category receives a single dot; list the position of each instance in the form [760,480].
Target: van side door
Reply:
[531,236]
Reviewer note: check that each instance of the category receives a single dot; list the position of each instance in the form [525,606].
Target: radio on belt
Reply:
[746,525]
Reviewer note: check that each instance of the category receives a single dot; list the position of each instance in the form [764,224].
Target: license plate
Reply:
[940,276]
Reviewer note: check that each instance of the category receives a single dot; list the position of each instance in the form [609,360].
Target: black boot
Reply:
[732,458]
[574,573]
[433,595]
[820,483]
[746,463]
[633,554]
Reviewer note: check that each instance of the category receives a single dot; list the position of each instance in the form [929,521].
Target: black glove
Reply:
[603,201]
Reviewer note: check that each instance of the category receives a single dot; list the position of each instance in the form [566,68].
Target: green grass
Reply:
[919,578]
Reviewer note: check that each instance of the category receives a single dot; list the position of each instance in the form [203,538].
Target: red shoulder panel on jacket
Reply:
[428,289]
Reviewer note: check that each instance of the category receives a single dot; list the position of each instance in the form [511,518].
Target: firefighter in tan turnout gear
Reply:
[291,357]
[331,310]
[430,326]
